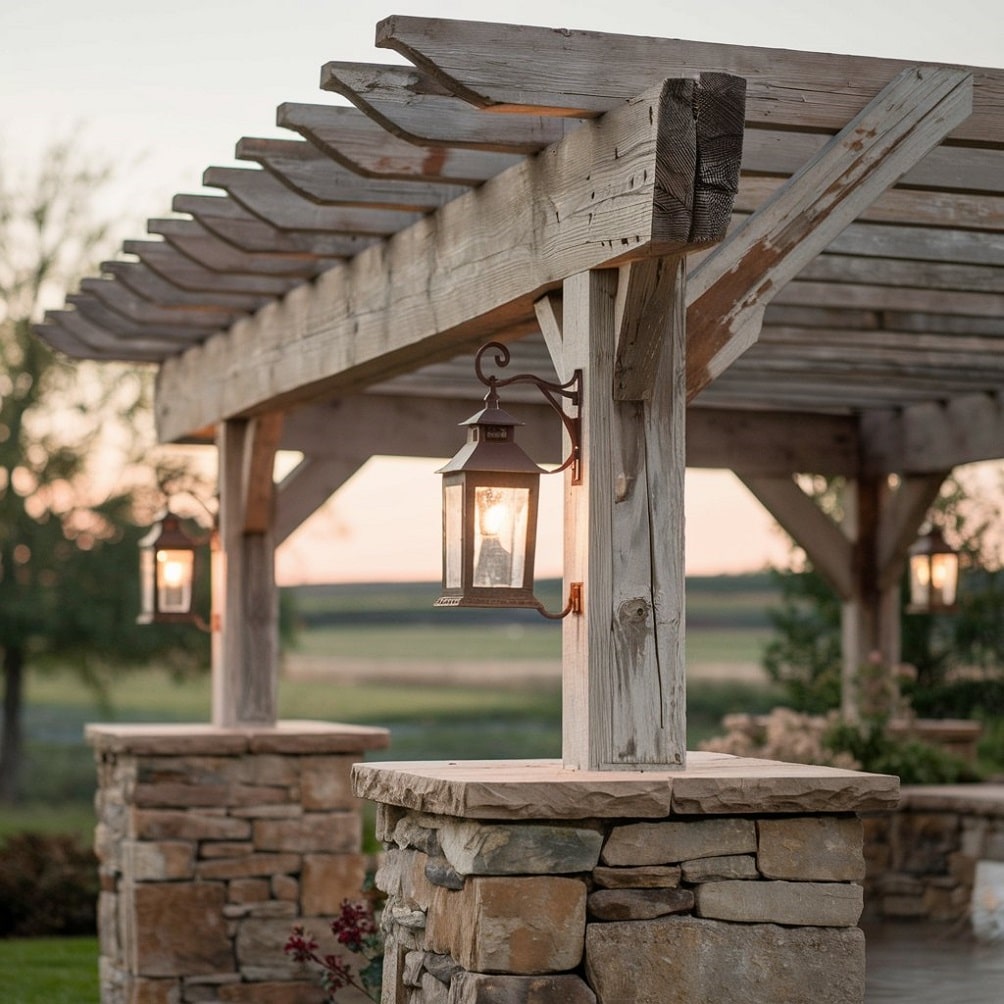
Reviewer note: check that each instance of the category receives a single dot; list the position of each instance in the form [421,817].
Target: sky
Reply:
[166,89]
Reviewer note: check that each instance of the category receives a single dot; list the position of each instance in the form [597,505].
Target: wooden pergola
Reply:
[770,261]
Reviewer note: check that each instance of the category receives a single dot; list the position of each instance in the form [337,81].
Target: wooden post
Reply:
[623,662]
[245,667]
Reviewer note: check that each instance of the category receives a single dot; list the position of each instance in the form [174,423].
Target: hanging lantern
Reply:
[167,573]
[490,495]
[934,575]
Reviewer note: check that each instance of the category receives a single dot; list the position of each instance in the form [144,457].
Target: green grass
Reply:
[49,971]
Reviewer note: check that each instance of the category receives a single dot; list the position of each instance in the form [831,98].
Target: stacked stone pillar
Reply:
[211,844]
[523,883]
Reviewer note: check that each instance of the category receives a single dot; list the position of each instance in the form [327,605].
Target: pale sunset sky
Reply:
[167,89]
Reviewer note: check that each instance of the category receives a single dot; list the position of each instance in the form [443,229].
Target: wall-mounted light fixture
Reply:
[934,575]
[490,495]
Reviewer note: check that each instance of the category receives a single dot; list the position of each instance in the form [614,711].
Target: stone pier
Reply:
[211,844]
[522,883]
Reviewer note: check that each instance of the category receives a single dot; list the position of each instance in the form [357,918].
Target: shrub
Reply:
[48,886]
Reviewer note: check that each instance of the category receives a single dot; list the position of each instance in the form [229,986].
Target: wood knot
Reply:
[634,610]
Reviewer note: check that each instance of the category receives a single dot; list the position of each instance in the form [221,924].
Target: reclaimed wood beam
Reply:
[729,290]
[826,545]
[411,105]
[144,282]
[269,199]
[119,297]
[803,90]
[108,346]
[900,519]
[364,147]
[234,224]
[620,189]
[102,316]
[312,173]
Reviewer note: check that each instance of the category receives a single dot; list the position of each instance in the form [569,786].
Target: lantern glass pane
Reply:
[500,527]
[944,578]
[174,581]
[453,536]
[920,581]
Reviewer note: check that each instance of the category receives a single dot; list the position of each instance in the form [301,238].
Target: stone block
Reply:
[729,866]
[225,848]
[903,906]
[387,818]
[169,824]
[176,795]
[259,947]
[327,880]
[158,861]
[402,875]
[434,992]
[108,926]
[674,841]
[811,848]
[270,992]
[510,925]
[418,833]
[651,877]
[325,783]
[145,991]
[314,832]
[248,866]
[285,887]
[484,988]
[806,904]
[638,904]
[474,848]
[262,908]
[682,960]
[269,769]
[439,871]
[178,929]
[248,890]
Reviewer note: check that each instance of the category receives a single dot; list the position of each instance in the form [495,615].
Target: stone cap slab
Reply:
[711,784]
[205,739]
[974,799]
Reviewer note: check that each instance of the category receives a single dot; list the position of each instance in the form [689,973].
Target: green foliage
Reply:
[915,762]
[804,656]
[48,885]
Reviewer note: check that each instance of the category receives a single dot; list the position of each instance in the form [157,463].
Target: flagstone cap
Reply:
[711,784]
[205,739]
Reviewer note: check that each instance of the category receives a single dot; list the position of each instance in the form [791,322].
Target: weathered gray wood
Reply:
[852,295]
[731,287]
[474,268]
[180,270]
[411,105]
[623,666]
[362,146]
[904,273]
[109,344]
[307,487]
[143,281]
[313,174]
[268,198]
[101,315]
[264,434]
[120,298]
[814,531]
[60,331]
[231,222]
[557,70]
[245,675]
[900,521]
[204,248]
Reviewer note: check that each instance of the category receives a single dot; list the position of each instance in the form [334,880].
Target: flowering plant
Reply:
[356,929]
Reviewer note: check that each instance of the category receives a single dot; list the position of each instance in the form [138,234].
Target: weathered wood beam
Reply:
[362,146]
[411,105]
[935,436]
[826,545]
[731,287]
[805,90]
[901,516]
[107,344]
[307,487]
[264,433]
[119,297]
[101,315]
[313,174]
[62,337]
[266,197]
[231,222]
[863,297]
[619,191]
[144,282]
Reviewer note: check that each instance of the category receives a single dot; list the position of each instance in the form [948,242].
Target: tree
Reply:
[69,438]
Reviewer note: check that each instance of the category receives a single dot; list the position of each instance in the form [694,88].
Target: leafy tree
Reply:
[69,487]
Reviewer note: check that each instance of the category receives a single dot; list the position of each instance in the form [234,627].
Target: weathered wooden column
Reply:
[246,647]
[623,663]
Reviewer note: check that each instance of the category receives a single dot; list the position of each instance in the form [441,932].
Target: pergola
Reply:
[771,261]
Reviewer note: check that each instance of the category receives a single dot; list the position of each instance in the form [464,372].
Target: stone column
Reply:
[735,879]
[211,844]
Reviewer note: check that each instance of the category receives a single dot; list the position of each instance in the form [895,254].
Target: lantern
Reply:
[167,572]
[490,495]
[934,575]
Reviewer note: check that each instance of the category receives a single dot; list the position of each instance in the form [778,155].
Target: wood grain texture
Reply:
[470,270]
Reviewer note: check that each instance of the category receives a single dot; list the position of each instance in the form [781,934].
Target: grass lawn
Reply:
[49,971]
